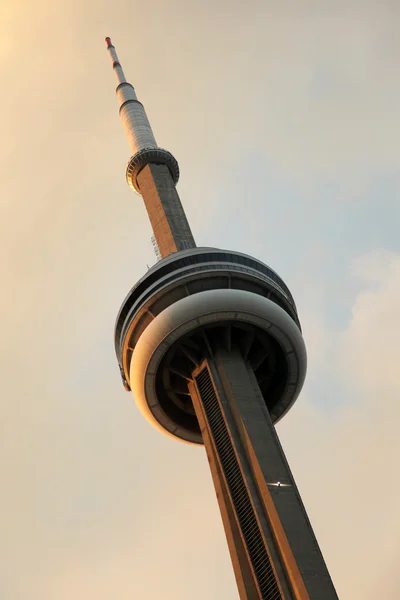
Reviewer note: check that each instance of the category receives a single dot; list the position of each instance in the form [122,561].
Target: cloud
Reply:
[371,342]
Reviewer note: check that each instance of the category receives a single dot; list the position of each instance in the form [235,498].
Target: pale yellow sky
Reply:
[285,122]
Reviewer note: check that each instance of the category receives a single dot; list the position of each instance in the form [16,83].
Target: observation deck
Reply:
[186,307]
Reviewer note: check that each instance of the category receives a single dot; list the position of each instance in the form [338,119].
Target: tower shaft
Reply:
[167,217]
[274,551]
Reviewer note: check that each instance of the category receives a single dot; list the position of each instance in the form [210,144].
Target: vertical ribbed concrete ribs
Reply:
[163,205]
[262,509]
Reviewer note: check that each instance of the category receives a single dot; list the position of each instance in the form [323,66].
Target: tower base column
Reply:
[273,548]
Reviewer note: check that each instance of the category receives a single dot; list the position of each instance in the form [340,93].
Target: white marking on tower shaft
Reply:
[134,119]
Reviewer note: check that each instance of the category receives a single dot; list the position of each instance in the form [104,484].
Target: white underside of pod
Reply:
[203,309]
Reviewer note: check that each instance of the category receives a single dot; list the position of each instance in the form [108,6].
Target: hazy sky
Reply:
[284,117]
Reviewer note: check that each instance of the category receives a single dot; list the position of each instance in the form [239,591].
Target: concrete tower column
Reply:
[279,546]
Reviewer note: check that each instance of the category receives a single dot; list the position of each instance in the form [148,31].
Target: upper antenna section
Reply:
[151,171]
[115,62]
[133,116]
[137,128]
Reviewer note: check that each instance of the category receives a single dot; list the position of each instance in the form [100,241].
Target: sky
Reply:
[284,118]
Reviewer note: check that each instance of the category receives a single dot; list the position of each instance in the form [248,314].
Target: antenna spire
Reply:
[115,62]
[133,116]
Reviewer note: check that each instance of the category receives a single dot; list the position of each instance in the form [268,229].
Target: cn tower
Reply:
[210,344]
